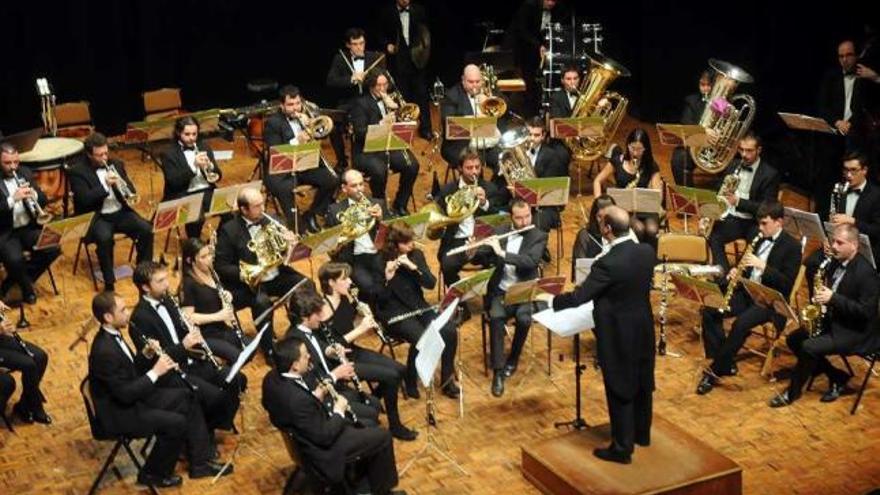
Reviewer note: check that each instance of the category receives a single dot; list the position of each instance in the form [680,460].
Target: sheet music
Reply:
[246,354]
[801,223]
[431,345]
[223,155]
[567,322]
[638,200]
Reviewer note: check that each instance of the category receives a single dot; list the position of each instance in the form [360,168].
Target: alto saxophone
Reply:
[635,182]
[734,280]
[814,313]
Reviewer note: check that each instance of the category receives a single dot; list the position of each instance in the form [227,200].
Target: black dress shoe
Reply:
[412,390]
[509,370]
[834,392]
[403,433]
[643,442]
[41,417]
[734,370]
[780,400]
[209,470]
[706,384]
[613,455]
[452,391]
[23,413]
[29,298]
[312,225]
[498,383]
[159,481]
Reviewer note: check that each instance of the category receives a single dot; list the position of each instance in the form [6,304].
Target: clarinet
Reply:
[160,352]
[16,337]
[365,311]
[226,300]
[328,386]
[190,326]
[340,354]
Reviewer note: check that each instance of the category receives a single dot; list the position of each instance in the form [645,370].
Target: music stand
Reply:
[813,125]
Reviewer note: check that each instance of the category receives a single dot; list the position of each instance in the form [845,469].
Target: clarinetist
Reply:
[16,354]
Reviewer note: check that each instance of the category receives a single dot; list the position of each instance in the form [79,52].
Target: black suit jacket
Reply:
[619,284]
[316,431]
[276,130]
[552,161]
[783,264]
[88,193]
[6,221]
[492,195]
[339,75]
[524,35]
[392,32]
[765,187]
[867,215]
[403,292]
[364,112]
[146,323]
[559,105]
[118,385]
[527,261]
[177,172]
[693,109]
[455,104]
[852,310]
[832,98]
[346,253]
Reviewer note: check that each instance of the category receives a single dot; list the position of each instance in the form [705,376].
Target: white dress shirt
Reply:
[514,243]
[20,216]
[764,248]
[404,23]
[313,341]
[111,204]
[746,178]
[364,243]
[466,226]
[165,316]
[849,81]
[852,197]
[122,345]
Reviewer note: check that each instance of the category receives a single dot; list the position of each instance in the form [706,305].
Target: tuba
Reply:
[271,246]
[727,121]
[513,162]
[459,205]
[356,220]
[594,101]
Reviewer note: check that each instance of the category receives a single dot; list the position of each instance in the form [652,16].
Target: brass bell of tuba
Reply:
[726,117]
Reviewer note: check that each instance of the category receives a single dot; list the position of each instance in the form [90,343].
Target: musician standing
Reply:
[16,354]
[232,248]
[287,127]
[849,292]
[377,107]
[692,111]
[346,77]
[327,440]
[189,167]
[518,260]
[403,28]
[464,100]
[96,188]
[774,262]
[129,400]
[619,284]
[19,230]
[758,182]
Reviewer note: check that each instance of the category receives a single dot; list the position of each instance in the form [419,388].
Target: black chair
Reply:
[98,433]
[83,241]
[871,358]
[305,478]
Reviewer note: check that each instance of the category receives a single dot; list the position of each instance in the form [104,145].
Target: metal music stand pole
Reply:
[578,422]
[432,441]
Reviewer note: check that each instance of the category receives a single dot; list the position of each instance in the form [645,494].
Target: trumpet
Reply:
[191,327]
[121,187]
[365,311]
[327,384]
[31,203]
[152,349]
[484,241]
[403,111]
[15,335]
[210,171]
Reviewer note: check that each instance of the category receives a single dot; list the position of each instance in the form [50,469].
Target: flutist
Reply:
[17,354]
[773,262]
[157,317]
[21,204]
[101,185]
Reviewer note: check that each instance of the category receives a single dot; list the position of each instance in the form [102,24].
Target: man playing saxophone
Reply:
[21,202]
[773,261]
[849,293]
[101,185]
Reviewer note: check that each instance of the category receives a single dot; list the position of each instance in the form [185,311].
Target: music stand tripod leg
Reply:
[431,439]
[241,442]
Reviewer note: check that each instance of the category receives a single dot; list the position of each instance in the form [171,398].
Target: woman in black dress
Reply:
[371,366]
[200,299]
[406,274]
[589,242]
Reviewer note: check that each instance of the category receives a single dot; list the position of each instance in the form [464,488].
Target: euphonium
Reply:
[813,313]
[317,126]
[130,197]
[488,106]
[459,205]
[271,246]
[32,203]
[734,281]
[356,219]
[513,162]
[727,121]
[594,101]
[729,185]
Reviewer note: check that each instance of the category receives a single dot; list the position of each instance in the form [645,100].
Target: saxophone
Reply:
[635,182]
[734,281]
[729,185]
[814,313]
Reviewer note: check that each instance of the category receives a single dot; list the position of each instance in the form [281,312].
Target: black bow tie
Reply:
[533,151]
[188,148]
[403,10]
[159,304]
[355,59]
[747,168]
[854,191]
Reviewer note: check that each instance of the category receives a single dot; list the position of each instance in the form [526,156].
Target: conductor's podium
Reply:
[675,462]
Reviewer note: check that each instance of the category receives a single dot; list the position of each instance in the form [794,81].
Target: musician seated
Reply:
[287,127]
[858,205]
[16,354]
[849,292]
[369,365]
[486,201]
[518,260]
[189,167]
[562,102]
[589,242]
[348,71]
[98,184]
[691,113]
[129,400]
[19,228]
[548,159]
[156,316]
[758,182]
[232,248]
[774,261]
[376,107]
[201,300]
[312,310]
[464,100]
[406,276]
[635,167]
[327,439]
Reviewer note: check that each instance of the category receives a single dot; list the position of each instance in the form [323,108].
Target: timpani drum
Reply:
[48,160]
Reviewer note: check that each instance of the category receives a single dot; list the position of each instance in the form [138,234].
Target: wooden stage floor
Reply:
[807,448]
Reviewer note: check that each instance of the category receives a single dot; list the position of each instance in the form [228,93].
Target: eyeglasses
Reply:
[851,171]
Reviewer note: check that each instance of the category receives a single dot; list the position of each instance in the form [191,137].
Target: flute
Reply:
[487,240]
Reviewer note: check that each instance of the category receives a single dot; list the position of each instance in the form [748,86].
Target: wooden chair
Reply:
[74,120]
[162,103]
[773,338]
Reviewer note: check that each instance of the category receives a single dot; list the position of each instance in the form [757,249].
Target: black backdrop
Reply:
[108,52]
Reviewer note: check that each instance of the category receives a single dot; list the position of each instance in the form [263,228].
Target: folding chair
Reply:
[774,338]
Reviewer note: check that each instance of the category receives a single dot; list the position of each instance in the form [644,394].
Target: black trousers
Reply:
[682,167]
[723,349]
[32,369]
[413,85]
[175,416]
[223,341]
[18,270]
[499,313]
[377,165]
[411,330]
[631,417]
[218,403]
[728,230]
[387,373]
[373,449]
[7,388]
[259,301]
[811,355]
[127,222]
[281,186]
